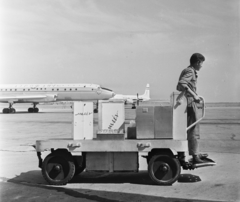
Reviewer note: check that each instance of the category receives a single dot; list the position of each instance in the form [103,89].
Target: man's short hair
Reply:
[196,57]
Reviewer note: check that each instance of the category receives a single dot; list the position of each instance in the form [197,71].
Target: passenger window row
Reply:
[40,89]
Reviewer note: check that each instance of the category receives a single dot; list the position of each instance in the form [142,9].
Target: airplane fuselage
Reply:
[54,92]
[40,93]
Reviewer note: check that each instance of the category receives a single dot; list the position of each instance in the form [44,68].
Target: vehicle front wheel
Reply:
[58,168]
[163,169]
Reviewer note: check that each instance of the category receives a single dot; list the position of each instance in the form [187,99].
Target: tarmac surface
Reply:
[21,179]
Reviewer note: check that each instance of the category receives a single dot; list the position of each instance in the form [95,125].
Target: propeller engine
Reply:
[137,100]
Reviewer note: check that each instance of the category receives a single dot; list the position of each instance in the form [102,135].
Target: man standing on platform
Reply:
[187,82]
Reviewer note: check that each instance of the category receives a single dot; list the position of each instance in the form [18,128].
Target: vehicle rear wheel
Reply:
[58,168]
[163,169]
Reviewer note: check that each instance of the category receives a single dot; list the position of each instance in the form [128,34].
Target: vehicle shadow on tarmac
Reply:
[32,183]
[141,178]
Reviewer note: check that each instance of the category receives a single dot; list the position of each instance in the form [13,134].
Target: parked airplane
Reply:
[41,93]
[133,99]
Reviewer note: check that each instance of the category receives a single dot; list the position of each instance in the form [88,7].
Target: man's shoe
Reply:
[181,156]
[197,160]
[203,156]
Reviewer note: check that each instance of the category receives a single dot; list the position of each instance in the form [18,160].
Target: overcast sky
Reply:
[122,44]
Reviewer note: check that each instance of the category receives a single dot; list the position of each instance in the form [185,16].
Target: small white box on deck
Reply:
[82,120]
[111,116]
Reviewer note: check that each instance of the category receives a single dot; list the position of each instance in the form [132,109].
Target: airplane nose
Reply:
[113,94]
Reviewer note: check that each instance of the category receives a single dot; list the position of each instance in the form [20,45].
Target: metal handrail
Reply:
[203,114]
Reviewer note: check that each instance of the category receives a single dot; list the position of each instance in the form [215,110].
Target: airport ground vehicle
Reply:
[160,133]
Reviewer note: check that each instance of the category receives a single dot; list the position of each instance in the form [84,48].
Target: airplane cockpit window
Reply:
[106,89]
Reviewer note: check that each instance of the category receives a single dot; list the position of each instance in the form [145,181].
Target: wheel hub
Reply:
[164,168]
[57,168]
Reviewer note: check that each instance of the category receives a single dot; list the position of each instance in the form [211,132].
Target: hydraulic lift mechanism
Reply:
[159,133]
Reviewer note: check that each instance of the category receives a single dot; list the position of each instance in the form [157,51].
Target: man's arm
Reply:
[183,82]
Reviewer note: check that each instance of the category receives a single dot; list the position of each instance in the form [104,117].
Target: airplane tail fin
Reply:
[147,92]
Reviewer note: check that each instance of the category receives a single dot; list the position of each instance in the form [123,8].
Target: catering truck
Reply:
[159,133]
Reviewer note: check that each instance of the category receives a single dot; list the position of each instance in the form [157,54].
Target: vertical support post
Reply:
[111,161]
[179,104]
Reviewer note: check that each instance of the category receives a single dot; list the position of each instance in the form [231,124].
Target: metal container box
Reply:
[166,122]
[154,122]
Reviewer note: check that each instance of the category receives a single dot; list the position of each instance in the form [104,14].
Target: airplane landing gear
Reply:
[96,109]
[5,110]
[9,110]
[33,109]
[133,106]
[12,110]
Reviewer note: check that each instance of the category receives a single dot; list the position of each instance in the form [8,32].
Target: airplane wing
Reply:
[34,98]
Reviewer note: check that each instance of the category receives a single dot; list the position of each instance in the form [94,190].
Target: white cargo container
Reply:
[82,123]
[111,116]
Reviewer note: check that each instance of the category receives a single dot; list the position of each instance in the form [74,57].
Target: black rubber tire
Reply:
[80,164]
[30,110]
[164,169]
[58,168]
[12,110]
[5,110]
[35,110]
